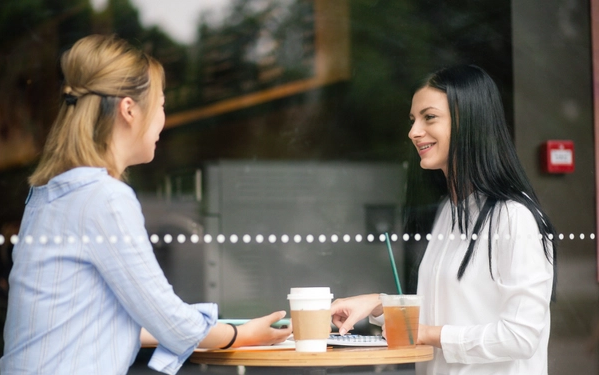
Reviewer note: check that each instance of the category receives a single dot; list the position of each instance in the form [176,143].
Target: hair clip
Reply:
[70,99]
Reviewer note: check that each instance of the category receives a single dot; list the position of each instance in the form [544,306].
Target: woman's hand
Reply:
[259,331]
[346,312]
[429,335]
[255,332]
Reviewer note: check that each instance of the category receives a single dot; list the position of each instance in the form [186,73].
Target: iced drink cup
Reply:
[402,315]
[310,318]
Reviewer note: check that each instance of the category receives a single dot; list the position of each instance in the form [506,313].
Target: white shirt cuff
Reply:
[451,339]
[376,320]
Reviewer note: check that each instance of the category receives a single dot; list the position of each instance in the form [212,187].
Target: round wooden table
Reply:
[333,357]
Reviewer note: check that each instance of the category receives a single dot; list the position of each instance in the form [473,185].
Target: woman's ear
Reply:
[126,109]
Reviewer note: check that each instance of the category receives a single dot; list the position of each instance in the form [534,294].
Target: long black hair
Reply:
[482,159]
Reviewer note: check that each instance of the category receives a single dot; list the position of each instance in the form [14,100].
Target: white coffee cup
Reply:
[310,317]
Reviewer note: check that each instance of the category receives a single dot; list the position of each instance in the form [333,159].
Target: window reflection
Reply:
[278,88]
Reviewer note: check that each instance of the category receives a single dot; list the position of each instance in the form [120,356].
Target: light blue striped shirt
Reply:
[85,280]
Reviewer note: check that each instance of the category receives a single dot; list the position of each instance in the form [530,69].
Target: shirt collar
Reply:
[73,179]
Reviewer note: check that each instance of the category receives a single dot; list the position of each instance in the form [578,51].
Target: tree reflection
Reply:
[255,47]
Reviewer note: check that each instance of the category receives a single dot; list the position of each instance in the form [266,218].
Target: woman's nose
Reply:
[416,131]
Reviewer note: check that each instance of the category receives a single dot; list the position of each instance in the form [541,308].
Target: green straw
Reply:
[396,276]
[393,264]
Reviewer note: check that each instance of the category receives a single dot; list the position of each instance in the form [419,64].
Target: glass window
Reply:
[284,155]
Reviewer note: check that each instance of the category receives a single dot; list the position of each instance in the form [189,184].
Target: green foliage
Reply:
[20,16]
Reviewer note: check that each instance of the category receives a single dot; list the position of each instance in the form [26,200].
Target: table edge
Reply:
[333,357]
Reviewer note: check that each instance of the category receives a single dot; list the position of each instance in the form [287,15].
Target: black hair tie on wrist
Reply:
[70,99]
[233,339]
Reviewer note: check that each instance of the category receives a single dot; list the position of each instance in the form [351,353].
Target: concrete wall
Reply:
[553,100]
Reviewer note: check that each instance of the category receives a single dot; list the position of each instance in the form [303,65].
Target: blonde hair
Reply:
[99,71]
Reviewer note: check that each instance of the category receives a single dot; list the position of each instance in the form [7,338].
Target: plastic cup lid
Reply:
[310,293]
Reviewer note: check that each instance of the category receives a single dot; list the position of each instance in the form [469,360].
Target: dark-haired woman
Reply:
[487,274]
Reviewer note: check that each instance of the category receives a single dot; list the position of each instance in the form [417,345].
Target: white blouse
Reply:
[492,323]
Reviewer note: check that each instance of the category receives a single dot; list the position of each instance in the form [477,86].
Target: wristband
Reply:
[233,339]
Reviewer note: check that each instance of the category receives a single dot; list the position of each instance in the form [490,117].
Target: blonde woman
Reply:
[85,279]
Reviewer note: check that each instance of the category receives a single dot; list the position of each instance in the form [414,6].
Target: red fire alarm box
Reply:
[557,156]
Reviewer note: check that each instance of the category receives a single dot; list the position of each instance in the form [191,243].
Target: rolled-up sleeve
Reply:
[165,361]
